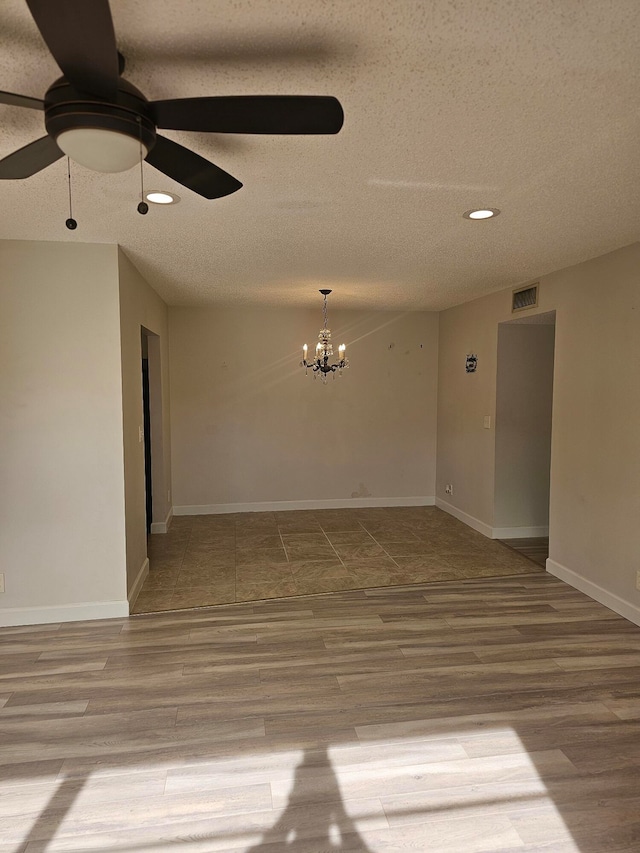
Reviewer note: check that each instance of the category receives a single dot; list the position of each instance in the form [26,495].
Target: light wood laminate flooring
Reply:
[219,559]
[497,714]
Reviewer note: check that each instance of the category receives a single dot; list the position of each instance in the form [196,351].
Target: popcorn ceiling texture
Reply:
[531,107]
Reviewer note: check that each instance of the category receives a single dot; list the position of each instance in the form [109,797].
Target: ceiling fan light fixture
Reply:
[103,122]
[101,150]
[481,213]
[161,197]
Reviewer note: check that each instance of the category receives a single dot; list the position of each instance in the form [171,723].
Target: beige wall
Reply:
[595,448]
[62,496]
[595,459]
[466,451]
[248,427]
[523,427]
[141,306]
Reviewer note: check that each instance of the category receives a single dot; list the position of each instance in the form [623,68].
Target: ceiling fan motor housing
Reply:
[68,108]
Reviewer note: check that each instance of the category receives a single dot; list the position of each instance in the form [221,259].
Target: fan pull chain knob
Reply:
[70,223]
[143,207]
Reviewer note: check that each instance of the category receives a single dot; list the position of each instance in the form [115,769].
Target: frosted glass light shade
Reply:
[101,150]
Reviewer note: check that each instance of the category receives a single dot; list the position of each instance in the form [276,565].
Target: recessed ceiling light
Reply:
[481,213]
[157,197]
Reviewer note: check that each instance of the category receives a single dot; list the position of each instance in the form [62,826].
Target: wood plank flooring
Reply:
[497,714]
[220,559]
[536,549]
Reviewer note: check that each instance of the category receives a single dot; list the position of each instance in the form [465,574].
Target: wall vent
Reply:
[525,297]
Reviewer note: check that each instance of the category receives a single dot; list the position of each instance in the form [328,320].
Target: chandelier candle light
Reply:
[324,350]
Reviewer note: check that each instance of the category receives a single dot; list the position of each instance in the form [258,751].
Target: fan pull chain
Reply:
[70,223]
[143,207]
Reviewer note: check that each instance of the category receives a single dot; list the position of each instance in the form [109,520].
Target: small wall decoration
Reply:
[472,363]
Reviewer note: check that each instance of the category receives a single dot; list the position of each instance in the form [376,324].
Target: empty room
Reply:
[320,426]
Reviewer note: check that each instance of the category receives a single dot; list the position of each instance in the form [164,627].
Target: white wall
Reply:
[141,306]
[595,456]
[62,497]
[523,428]
[250,430]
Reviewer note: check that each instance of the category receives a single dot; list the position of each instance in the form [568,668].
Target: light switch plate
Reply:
[487,421]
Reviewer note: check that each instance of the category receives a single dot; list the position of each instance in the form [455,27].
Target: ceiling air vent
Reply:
[525,297]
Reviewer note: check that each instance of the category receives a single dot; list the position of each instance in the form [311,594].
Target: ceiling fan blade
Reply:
[31,159]
[21,101]
[296,114]
[190,169]
[81,38]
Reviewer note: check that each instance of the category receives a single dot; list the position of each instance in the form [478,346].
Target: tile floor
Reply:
[221,559]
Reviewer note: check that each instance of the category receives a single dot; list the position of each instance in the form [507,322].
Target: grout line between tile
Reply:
[333,546]
[384,549]
[286,553]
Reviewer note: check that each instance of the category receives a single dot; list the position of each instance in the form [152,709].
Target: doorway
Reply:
[146,414]
[524,404]
[156,485]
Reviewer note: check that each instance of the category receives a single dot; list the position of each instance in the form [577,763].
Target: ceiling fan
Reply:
[98,119]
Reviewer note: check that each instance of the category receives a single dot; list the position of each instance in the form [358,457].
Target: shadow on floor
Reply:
[315,804]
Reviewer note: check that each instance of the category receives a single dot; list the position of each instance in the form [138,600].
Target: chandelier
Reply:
[320,364]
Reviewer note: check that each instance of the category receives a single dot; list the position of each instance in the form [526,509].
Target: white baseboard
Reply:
[593,590]
[487,530]
[478,525]
[138,582]
[162,526]
[519,532]
[276,506]
[12,616]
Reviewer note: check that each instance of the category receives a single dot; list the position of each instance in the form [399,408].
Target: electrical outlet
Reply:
[2,582]
[448,489]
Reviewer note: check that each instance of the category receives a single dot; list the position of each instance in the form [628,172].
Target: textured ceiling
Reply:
[532,107]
